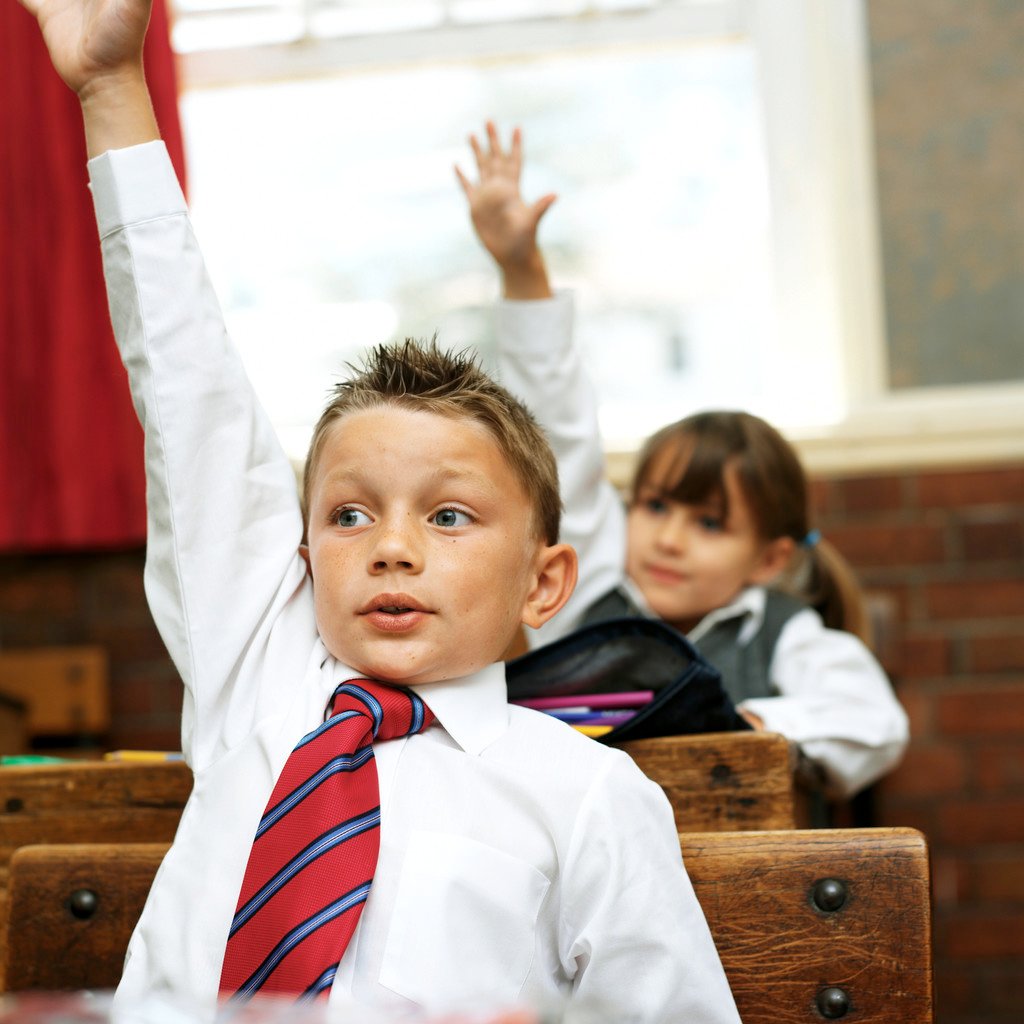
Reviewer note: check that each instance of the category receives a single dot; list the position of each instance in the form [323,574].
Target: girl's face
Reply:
[689,559]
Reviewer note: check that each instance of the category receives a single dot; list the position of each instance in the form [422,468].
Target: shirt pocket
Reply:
[464,924]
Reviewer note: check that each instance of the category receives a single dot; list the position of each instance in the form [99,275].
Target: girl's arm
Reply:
[540,364]
[835,702]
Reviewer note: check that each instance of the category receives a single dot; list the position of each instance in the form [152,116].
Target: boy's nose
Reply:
[397,548]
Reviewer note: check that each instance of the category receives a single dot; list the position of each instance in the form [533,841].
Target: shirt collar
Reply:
[472,709]
[750,603]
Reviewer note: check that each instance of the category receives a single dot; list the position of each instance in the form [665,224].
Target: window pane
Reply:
[331,219]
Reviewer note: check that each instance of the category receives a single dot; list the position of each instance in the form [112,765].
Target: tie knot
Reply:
[393,710]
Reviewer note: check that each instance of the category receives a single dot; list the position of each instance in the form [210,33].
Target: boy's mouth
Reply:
[394,613]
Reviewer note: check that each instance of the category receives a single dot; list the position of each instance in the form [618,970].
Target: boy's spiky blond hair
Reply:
[422,376]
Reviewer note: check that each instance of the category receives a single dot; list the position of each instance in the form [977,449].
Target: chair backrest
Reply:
[809,924]
[71,911]
[823,923]
[728,781]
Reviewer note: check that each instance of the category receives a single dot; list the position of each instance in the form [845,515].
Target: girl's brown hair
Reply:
[695,452]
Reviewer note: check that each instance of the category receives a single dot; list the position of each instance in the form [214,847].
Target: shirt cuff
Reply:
[133,185]
[530,325]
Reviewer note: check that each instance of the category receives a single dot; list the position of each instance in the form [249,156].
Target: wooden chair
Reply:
[809,924]
[730,781]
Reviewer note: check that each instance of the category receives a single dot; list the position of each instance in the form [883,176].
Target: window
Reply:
[716,216]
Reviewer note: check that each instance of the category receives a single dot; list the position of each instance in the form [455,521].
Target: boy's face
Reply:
[421,547]
[689,559]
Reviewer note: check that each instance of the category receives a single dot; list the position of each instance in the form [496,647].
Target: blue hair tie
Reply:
[812,538]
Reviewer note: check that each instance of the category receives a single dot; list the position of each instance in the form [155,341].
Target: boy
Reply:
[519,862]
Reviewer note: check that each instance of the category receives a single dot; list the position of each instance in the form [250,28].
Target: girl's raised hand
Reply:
[504,222]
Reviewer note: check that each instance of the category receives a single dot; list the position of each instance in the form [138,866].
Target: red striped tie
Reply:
[315,851]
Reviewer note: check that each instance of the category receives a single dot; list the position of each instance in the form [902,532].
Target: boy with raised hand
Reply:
[486,855]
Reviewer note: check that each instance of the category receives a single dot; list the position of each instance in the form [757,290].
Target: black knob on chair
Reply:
[83,903]
[833,1003]
[828,894]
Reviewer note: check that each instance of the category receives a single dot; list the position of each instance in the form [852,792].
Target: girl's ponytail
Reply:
[823,578]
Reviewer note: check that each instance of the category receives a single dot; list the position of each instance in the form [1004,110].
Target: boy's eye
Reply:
[711,523]
[350,517]
[450,517]
[656,506]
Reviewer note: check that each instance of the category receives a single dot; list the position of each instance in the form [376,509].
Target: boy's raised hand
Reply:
[96,48]
[504,222]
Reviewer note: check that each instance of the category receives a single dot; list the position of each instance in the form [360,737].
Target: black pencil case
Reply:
[630,654]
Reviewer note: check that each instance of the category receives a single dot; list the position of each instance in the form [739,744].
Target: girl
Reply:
[715,539]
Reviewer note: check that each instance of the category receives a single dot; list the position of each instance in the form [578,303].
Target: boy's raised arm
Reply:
[96,48]
[223,568]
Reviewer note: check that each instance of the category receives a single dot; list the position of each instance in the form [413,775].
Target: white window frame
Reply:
[817,119]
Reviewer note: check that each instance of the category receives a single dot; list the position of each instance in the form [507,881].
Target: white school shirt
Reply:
[833,698]
[521,863]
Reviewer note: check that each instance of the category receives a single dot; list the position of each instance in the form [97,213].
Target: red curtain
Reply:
[71,472]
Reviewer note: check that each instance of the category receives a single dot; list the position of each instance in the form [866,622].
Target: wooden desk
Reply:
[808,924]
[730,781]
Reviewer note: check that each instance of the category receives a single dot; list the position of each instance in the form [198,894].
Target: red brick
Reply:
[41,592]
[132,641]
[869,494]
[149,736]
[889,545]
[823,497]
[131,701]
[1001,987]
[998,879]
[896,812]
[999,767]
[119,581]
[955,989]
[981,936]
[965,822]
[981,712]
[972,487]
[996,653]
[919,704]
[924,656]
[951,878]
[997,540]
[931,769]
[975,599]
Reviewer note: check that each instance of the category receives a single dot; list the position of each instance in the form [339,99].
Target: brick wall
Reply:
[98,599]
[944,551]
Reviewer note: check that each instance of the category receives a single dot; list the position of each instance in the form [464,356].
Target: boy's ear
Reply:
[304,552]
[554,582]
[775,558]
